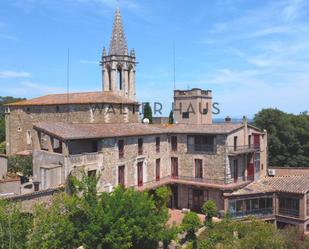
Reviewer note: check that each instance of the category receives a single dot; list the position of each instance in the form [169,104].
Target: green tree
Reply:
[52,228]
[231,234]
[21,164]
[14,226]
[2,147]
[209,208]
[190,224]
[171,118]
[122,219]
[288,136]
[148,112]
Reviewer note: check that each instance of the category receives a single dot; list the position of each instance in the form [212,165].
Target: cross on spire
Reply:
[118,44]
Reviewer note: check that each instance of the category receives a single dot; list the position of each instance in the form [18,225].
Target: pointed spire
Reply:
[118,45]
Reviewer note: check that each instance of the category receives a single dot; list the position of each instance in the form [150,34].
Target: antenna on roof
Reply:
[68,85]
[174,65]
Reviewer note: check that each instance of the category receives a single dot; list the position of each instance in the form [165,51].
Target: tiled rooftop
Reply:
[75,98]
[298,184]
[72,131]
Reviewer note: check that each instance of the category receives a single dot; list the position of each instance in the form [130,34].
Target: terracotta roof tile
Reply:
[71,131]
[298,184]
[76,98]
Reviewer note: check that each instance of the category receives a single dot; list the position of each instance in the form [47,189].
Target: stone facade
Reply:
[193,106]
[217,173]
[20,119]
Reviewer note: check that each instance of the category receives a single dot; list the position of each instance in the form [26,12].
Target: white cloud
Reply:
[89,62]
[14,74]
[31,89]
[292,10]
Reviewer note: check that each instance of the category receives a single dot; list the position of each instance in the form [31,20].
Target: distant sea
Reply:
[234,120]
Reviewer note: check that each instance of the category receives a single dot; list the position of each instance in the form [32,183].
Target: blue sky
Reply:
[252,54]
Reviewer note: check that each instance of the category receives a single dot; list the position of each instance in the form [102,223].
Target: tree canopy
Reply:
[230,234]
[122,219]
[288,137]
[171,118]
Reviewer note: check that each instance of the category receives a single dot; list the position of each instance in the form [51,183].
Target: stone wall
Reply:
[27,202]
[11,185]
[214,163]
[131,158]
[20,120]
[3,166]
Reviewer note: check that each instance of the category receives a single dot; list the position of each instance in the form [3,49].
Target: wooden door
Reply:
[250,171]
[140,173]
[158,161]
[121,175]
[174,165]
[256,141]
[198,200]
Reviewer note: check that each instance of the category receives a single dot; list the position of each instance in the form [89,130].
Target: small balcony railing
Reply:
[241,149]
[288,212]
[84,159]
[201,148]
[256,212]
[172,178]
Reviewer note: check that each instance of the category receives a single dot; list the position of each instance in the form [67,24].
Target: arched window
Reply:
[129,79]
[119,78]
[109,78]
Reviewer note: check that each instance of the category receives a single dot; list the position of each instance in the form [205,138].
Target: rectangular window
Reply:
[140,173]
[94,146]
[199,143]
[198,168]
[140,146]
[185,115]
[249,141]
[92,173]
[289,206]
[235,170]
[174,143]
[157,144]
[121,179]
[121,148]
[174,167]
[158,162]
[235,143]
[29,139]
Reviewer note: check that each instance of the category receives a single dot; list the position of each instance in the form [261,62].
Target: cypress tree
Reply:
[148,112]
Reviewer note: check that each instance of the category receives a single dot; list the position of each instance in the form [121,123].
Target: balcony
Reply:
[84,159]
[189,180]
[257,213]
[201,148]
[289,212]
[240,149]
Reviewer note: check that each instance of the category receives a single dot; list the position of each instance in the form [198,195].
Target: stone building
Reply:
[283,200]
[199,160]
[115,104]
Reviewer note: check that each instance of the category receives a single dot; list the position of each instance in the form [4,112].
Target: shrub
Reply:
[190,224]
[21,164]
[210,210]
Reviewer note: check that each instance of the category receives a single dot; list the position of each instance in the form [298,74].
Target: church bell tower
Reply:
[118,66]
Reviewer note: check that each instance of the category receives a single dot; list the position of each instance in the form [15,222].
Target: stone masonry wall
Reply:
[131,158]
[20,120]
